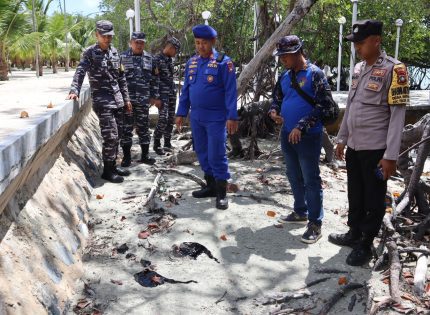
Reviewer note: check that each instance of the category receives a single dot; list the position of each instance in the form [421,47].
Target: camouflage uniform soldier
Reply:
[142,79]
[109,93]
[168,95]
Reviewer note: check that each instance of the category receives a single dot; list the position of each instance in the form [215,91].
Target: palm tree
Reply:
[13,24]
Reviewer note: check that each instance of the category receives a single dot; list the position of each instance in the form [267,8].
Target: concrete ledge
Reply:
[19,150]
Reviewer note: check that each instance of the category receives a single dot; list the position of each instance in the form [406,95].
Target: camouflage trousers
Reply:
[111,127]
[138,118]
[166,119]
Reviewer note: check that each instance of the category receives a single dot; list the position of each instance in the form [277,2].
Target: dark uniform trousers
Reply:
[111,127]
[138,118]
[366,192]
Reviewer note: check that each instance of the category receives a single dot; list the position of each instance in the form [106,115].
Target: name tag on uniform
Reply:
[379,72]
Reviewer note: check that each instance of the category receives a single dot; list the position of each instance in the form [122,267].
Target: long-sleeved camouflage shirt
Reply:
[296,111]
[107,82]
[141,72]
[167,85]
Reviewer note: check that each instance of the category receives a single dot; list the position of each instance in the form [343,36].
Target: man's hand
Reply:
[340,151]
[72,96]
[232,126]
[156,102]
[295,136]
[128,107]
[275,117]
[388,168]
[179,121]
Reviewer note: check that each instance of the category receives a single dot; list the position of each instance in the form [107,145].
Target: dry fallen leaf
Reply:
[259,170]
[118,282]
[232,188]
[100,196]
[144,235]
[50,105]
[156,279]
[396,194]
[279,226]
[23,114]
[271,213]
[82,304]
[223,237]
[123,218]
[342,280]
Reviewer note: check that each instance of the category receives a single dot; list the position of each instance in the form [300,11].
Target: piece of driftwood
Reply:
[182,158]
[150,200]
[395,269]
[190,176]
[283,297]
[341,292]
[420,276]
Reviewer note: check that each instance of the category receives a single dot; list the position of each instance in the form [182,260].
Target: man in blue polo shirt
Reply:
[301,137]
[210,93]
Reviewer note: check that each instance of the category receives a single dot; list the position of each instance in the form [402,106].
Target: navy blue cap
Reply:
[105,27]
[138,36]
[288,45]
[204,31]
[363,29]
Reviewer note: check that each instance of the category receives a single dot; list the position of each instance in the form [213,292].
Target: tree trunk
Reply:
[54,65]
[40,67]
[300,10]
[3,65]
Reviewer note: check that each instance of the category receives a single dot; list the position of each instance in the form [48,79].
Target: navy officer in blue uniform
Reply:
[210,94]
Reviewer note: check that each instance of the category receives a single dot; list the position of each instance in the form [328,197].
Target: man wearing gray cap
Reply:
[167,94]
[109,94]
[141,72]
[371,129]
[302,97]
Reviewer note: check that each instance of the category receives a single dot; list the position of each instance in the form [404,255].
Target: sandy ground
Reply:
[255,259]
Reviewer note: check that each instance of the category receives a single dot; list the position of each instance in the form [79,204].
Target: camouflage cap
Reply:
[105,27]
[140,36]
[288,45]
[175,42]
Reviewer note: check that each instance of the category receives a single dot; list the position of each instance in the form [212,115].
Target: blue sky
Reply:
[76,6]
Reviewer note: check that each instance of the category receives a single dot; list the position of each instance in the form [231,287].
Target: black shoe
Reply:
[312,233]
[351,238]
[293,217]
[145,158]
[126,160]
[120,171]
[167,145]
[208,191]
[157,147]
[221,195]
[109,174]
[360,255]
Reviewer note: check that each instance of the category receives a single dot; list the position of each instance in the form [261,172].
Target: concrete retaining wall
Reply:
[45,193]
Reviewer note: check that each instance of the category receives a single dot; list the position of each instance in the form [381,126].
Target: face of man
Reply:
[170,50]
[137,46]
[104,40]
[289,60]
[204,46]
[368,48]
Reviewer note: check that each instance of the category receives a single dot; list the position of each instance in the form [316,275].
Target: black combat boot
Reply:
[157,147]
[119,170]
[146,159]
[221,194]
[167,144]
[361,253]
[350,238]
[108,173]
[126,160]
[209,190]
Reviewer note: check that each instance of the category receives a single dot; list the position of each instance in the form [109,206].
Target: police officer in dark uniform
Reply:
[142,80]
[372,130]
[210,93]
[109,94]
[168,95]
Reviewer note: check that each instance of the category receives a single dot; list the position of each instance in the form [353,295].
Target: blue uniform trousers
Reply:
[209,139]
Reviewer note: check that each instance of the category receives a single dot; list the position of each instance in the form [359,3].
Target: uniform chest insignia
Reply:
[210,78]
[302,82]
[212,65]
[376,78]
[192,66]
[379,72]
[379,60]
[373,86]
[190,77]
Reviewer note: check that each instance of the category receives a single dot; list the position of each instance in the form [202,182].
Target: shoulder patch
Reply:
[398,93]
